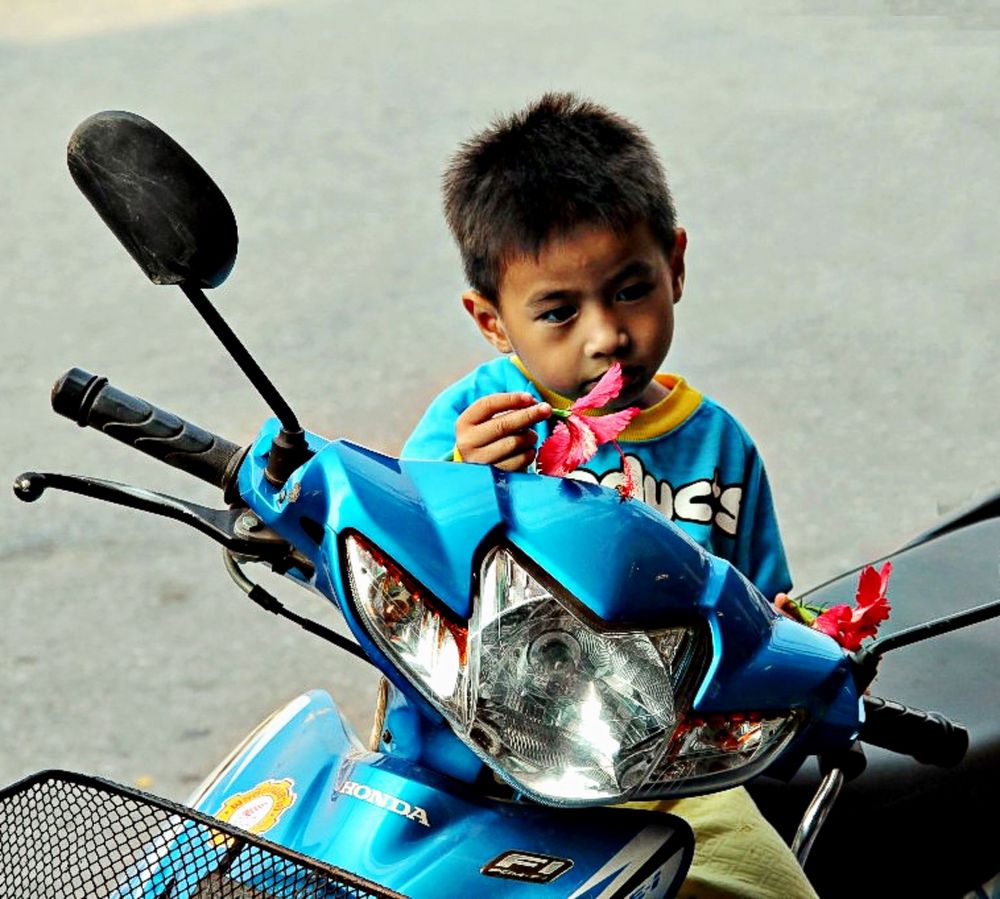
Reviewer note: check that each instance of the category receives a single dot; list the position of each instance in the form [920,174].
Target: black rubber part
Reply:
[91,401]
[928,737]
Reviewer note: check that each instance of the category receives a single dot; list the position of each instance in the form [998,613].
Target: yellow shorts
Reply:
[737,854]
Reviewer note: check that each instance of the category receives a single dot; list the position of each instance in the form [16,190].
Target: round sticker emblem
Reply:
[258,810]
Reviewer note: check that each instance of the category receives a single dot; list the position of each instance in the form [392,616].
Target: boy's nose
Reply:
[606,335]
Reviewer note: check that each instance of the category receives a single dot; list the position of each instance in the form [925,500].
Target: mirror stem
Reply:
[290,449]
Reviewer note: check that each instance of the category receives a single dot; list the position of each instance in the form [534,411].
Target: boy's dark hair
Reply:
[560,163]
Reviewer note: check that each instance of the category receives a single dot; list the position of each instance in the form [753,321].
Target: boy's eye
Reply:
[633,292]
[557,315]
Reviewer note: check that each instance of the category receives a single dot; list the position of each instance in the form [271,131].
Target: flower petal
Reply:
[584,443]
[872,584]
[552,453]
[836,622]
[883,574]
[608,427]
[831,619]
[868,586]
[570,444]
[605,390]
[866,619]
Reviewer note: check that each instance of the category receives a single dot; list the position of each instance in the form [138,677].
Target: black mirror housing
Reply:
[157,200]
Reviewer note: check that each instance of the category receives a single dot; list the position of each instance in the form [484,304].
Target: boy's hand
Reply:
[496,430]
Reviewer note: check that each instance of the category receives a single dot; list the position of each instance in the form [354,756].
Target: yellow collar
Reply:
[670,412]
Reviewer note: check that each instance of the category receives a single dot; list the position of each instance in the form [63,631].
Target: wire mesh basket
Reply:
[69,835]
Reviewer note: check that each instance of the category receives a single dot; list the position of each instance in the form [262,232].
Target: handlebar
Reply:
[928,737]
[90,400]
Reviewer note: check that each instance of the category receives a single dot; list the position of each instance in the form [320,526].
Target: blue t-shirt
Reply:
[690,459]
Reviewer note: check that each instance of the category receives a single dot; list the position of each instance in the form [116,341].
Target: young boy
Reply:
[569,239]
[570,244]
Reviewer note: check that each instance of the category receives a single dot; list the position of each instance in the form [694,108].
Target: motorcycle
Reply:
[529,688]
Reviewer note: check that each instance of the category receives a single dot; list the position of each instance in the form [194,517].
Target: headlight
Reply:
[565,710]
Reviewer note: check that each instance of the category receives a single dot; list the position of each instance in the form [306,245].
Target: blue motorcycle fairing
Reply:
[434,518]
[622,562]
[414,831]
[346,486]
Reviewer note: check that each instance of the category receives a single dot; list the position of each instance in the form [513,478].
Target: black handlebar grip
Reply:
[90,400]
[927,736]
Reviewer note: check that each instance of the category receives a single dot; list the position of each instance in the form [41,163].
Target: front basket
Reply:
[69,835]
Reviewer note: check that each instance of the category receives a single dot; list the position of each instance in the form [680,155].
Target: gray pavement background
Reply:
[835,164]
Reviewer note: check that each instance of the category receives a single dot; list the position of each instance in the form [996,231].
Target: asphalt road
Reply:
[835,165]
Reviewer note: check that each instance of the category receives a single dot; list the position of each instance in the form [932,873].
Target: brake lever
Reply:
[239,529]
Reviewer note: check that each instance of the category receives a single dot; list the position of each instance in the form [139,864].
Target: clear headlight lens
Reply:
[569,712]
[565,712]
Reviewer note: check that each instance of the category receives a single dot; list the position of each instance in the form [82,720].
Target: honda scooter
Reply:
[529,689]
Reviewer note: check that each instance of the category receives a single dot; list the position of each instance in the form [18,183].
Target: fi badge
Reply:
[258,810]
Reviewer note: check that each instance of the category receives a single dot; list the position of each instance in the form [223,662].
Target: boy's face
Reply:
[590,298]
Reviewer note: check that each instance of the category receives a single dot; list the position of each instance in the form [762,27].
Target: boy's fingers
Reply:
[469,435]
[501,426]
[496,430]
[492,452]
[485,408]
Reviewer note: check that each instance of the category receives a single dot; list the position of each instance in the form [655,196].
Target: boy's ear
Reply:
[676,262]
[487,318]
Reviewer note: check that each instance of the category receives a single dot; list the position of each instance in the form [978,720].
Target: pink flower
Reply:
[576,439]
[850,626]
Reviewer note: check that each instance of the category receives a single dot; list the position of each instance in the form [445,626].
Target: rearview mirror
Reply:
[164,208]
